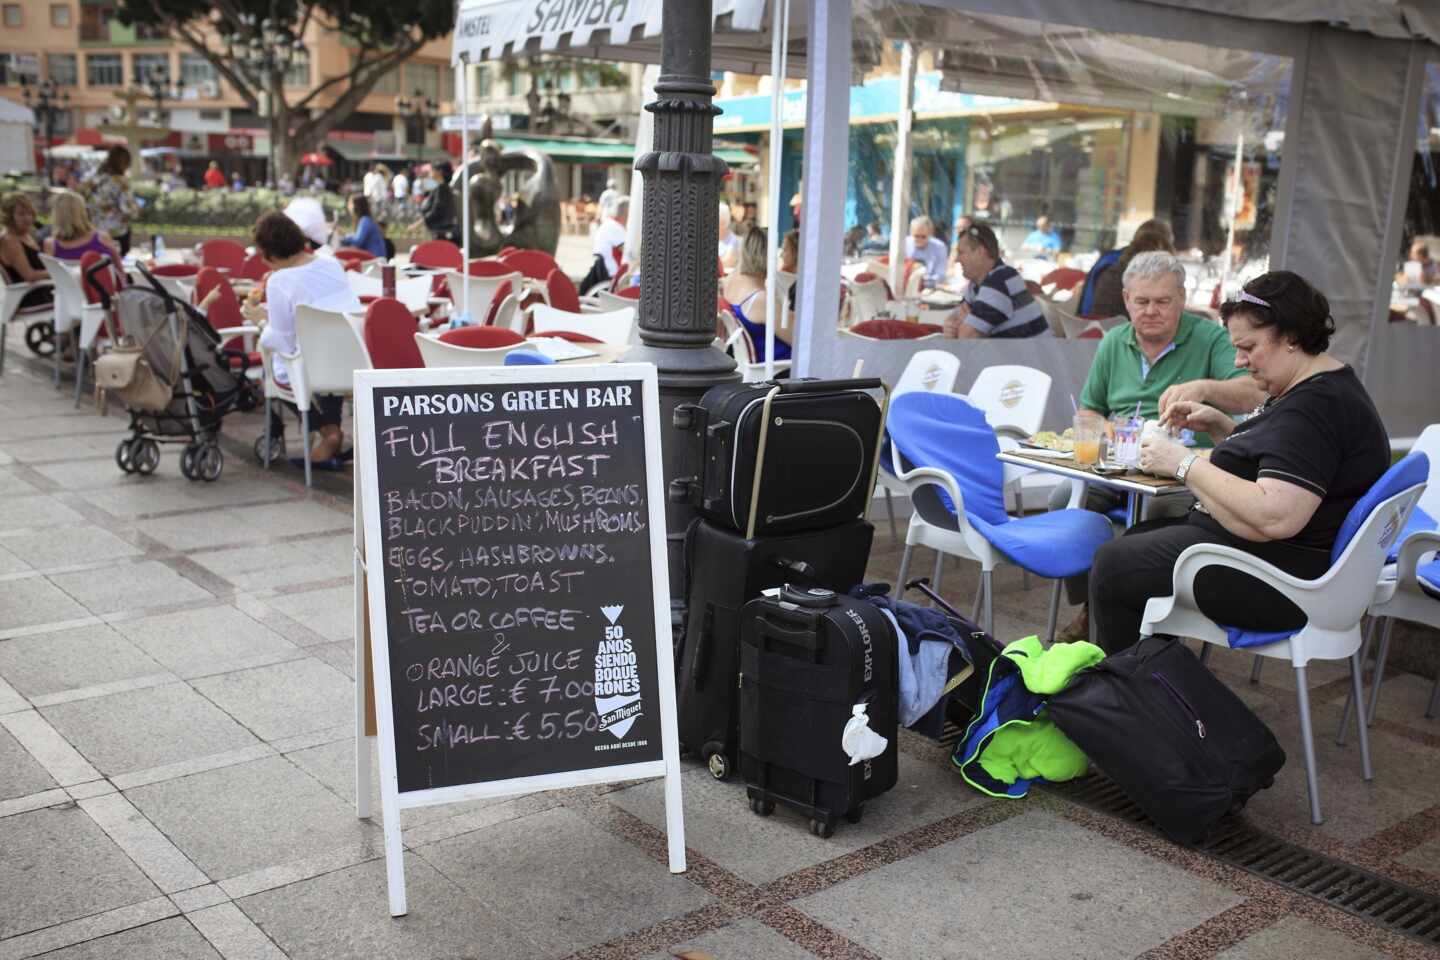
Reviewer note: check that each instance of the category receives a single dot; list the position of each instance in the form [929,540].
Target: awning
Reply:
[491,29]
[365,150]
[591,150]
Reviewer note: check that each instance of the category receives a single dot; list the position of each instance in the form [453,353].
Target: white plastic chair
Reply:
[616,327]
[1332,603]
[930,370]
[604,300]
[867,300]
[438,353]
[11,295]
[1058,544]
[328,351]
[1403,593]
[482,292]
[73,314]
[1014,398]
[414,292]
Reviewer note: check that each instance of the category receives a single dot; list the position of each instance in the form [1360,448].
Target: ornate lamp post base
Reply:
[677,246]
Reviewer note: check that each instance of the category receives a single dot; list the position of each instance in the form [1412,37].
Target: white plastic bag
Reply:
[858,741]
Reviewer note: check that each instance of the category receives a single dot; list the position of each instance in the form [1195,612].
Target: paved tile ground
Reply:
[177,775]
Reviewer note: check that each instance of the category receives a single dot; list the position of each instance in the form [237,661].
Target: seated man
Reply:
[922,246]
[1162,355]
[1043,241]
[997,302]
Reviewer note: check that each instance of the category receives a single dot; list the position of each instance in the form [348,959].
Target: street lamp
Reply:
[158,85]
[264,50]
[421,111]
[48,102]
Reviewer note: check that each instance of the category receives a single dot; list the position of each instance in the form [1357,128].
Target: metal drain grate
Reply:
[1361,893]
[1374,898]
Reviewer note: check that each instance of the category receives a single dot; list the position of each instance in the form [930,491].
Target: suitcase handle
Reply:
[702,647]
[798,567]
[767,628]
[828,386]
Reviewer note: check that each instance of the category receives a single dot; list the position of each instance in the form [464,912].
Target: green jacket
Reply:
[1012,740]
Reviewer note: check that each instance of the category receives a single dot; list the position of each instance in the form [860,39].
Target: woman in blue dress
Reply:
[367,235]
[744,292]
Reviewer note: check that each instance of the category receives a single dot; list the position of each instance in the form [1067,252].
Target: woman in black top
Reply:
[20,251]
[1277,485]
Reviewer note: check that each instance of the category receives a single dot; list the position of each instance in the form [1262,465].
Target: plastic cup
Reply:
[1089,430]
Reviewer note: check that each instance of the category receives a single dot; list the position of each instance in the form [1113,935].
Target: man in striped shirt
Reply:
[997,302]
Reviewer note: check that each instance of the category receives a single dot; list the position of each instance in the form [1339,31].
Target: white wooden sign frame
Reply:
[368,526]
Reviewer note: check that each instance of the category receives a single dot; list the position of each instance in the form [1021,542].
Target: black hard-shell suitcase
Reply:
[807,658]
[777,458]
[1179,742]
[724,571]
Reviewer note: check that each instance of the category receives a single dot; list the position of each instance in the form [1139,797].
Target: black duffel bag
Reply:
[1180,743]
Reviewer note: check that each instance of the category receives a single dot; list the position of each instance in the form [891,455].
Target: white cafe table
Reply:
[1134,484]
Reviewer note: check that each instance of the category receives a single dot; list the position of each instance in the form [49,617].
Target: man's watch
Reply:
[1185,465]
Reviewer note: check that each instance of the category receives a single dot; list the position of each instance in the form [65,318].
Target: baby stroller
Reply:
[171,374]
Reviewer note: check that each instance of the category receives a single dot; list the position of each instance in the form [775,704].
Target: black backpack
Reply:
[1180,743]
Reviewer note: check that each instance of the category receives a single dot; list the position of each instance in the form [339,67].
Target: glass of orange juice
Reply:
[1089,429]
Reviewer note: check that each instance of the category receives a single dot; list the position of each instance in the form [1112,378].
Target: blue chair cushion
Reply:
[526,358]
[1061,543]
[1408,471]
[948,432]
[1419,522]
[1429,576]
[1413,468]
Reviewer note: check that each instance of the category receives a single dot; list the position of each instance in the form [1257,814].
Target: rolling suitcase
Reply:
[1180,743]
[724,571]
[777,458]
[807,659]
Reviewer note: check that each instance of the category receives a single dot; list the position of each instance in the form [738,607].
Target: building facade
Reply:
[89,55]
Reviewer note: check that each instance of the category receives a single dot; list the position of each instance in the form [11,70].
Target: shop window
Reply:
[19,68]
[104,70]
[61,69]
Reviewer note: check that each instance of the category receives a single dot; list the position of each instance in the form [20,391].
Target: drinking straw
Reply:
[1074,407]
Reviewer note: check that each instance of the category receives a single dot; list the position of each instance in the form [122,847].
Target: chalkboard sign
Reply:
[514,544]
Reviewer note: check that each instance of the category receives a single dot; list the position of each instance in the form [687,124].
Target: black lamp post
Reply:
[677,248]
[419,111]
[47,102]
[157,83]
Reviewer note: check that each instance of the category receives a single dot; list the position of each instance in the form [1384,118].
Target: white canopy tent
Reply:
[1355,73]
[17,148]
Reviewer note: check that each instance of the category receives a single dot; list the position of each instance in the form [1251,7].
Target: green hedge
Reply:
[210,213]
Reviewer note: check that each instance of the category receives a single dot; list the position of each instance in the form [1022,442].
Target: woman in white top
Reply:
[299,278]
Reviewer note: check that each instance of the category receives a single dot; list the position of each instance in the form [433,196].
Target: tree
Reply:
[251,44]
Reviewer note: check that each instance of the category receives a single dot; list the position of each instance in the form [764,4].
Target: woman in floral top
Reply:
[107,194]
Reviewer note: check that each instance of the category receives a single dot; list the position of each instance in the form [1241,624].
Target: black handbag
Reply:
[1180,743]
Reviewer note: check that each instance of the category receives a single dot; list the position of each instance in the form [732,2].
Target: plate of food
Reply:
[1052,441]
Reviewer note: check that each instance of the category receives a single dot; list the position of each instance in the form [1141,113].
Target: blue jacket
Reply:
[366,237]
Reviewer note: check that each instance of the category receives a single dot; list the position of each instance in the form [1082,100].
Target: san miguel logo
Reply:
[617,677]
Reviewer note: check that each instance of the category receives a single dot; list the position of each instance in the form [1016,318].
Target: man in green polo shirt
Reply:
[1159,356]
[1164,354]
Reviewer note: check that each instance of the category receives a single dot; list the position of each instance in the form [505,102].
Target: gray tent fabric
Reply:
[1348,130]
[1381,18]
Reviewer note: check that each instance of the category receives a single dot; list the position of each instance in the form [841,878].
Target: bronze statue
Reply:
[536,220]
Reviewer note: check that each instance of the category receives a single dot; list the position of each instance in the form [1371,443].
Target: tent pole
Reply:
[900,191]
[1236,205]
[779,53]
[465,184]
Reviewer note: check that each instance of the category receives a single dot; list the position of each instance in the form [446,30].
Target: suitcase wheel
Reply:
[761,808]
[716,760]
[854,815]
[823,829]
